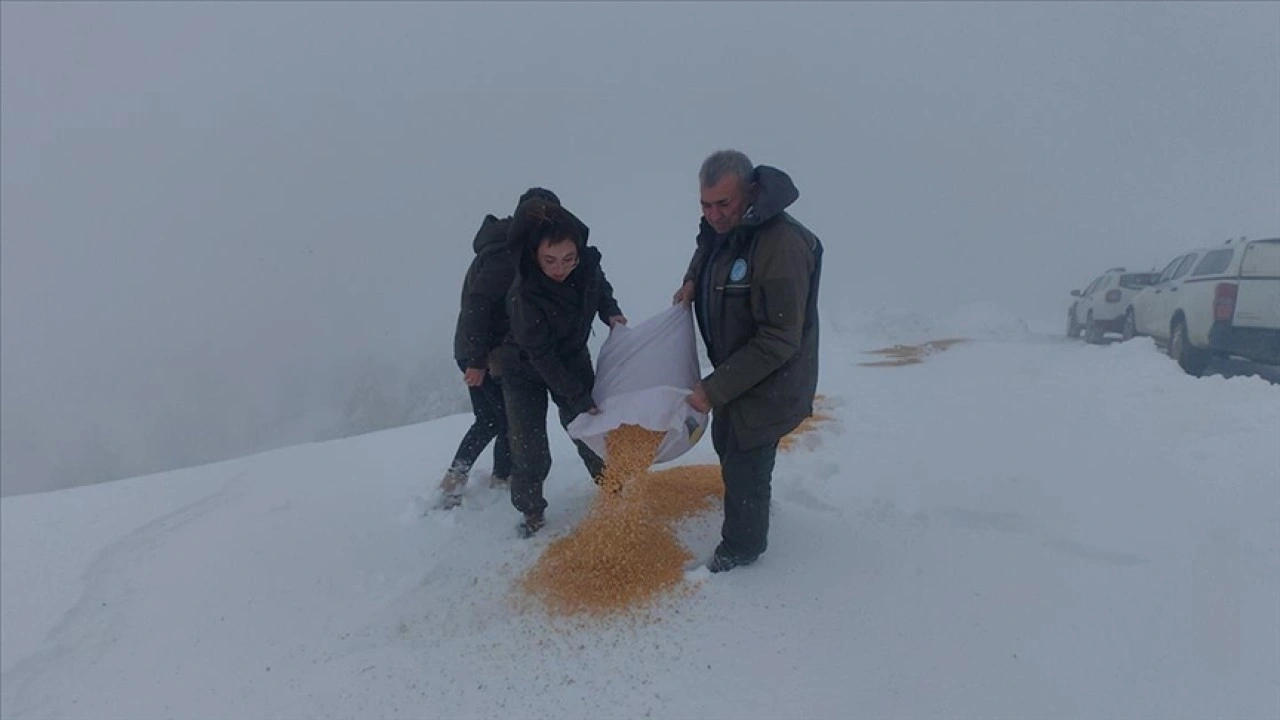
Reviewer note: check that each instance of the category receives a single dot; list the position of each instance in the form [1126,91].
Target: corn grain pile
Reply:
[625,553]
[900,355]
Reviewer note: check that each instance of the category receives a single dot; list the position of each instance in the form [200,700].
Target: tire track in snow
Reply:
[86,630]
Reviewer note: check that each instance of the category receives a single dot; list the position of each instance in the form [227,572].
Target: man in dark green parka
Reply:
[753,282]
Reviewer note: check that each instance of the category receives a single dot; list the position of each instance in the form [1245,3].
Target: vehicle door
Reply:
[1174,296]
[1100,306]
[1149,304]
[1199,291]
[1084,302]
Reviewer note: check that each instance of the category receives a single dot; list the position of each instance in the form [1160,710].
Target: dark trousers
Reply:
[748,477]
[526,397]
[490,409]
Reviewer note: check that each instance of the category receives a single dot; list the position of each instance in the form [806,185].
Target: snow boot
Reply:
[723,562]
[531,524]
[451,487]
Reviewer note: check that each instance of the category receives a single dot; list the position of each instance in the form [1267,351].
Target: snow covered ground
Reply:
[1021,526]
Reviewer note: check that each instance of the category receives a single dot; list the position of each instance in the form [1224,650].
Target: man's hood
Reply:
[774,193]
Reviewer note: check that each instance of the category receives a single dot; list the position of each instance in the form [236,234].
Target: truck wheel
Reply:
[1092,331]
[1194,361]
[1130,329]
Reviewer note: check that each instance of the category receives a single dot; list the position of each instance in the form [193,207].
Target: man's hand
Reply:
[617,320]
[474,377]
[698,400]
[684,295]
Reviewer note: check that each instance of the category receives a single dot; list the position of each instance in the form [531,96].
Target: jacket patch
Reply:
[738,271]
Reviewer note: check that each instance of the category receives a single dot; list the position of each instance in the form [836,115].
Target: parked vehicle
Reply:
[1215,301]
[1101,308]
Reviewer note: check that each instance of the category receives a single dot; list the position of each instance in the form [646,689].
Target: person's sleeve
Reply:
[691,273]
[608,304]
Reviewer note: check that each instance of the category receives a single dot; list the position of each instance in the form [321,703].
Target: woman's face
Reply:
[557,258]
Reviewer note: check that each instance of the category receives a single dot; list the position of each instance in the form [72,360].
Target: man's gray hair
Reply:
[726,162]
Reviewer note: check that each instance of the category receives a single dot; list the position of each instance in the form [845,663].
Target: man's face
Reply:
[724,203]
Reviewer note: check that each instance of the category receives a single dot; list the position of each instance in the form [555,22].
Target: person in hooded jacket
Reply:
[559,290]
[753,283]
[482,325]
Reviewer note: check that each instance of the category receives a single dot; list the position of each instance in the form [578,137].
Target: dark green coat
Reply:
[756,301]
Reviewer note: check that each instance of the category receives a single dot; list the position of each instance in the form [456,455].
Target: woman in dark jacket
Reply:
[559,290]
[481,327]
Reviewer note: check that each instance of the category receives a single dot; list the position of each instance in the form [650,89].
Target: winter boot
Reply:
[451,487]
[723,562]
[531,524]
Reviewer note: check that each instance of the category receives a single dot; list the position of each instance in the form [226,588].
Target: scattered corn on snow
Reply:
[1020,526]
[625,552]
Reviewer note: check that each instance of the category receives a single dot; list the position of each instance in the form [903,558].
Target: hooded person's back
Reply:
[482,318]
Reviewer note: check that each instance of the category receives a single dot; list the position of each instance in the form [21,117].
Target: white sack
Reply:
[643,376]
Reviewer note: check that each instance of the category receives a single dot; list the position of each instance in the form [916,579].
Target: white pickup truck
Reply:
[1216,301]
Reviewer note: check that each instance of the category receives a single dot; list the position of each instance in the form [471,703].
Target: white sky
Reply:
[199,200]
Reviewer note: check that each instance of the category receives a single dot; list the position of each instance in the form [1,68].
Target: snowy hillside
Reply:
[1019,526]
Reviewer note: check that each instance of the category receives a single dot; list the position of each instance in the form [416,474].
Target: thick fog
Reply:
[230,227]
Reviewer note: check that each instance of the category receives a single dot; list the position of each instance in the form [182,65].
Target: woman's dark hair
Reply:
[551,222]
[538,219]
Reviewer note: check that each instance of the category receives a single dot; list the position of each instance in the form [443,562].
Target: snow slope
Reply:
[1019,527]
